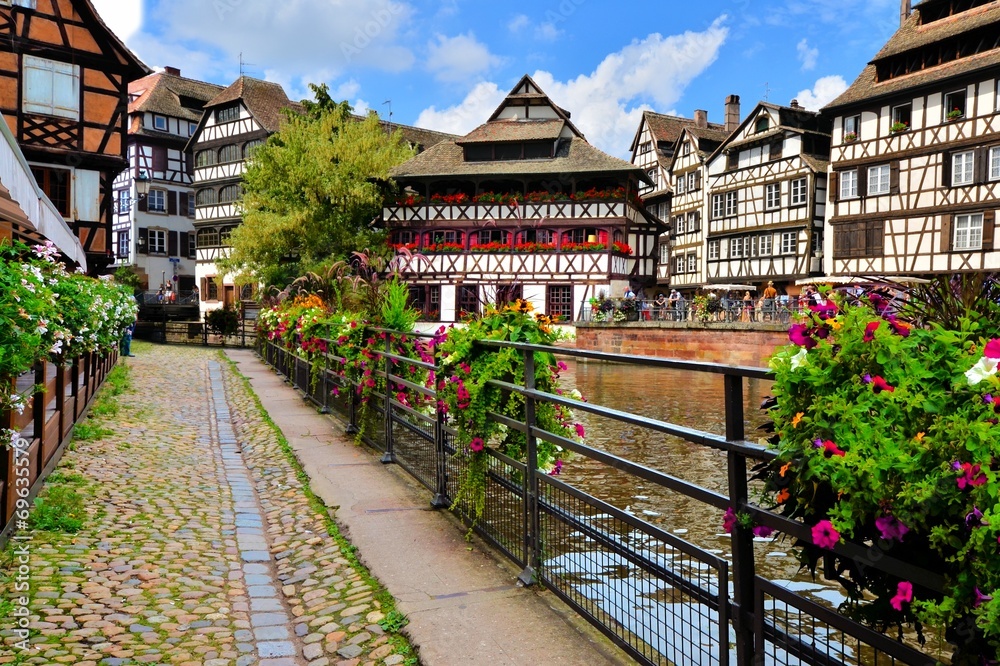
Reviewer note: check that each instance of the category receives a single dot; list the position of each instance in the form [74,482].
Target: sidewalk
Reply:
[462,602]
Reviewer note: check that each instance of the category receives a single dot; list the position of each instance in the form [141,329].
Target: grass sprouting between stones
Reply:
[394,620]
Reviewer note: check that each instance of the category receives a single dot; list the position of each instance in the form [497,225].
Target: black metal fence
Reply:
[730,311]
[661,598]
[195,333]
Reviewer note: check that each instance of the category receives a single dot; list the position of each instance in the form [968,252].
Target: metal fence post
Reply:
[532,540]
[742,537]
[388,456]
[440,500]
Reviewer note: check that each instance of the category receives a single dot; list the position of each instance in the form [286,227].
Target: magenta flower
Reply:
[980,599]
[879,385]
[825,311]
[579,430]
[763,531]
[972,476]
[729,520]
[988,399]
[892,529]
[557,469]
[799,334]
[825,535]
[562,366]
[900,328]
[870,330]
[829,448]
[974,518]
[904,595]
[477,445]
[992,349]
[867,379]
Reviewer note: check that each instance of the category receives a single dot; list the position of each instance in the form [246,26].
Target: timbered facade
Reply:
[915,170]
[154,231]
[522,206]
[765,207]
[653,150]
[63,93]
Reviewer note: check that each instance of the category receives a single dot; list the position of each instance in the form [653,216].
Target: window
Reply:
[901,116]
[159,123]
[208,238]
[693,221]
[190,207]
[764,245]
[692,182]
[192,128]
[686,148]
[968,232]
[124,202]
[852,128]
[157,241]
[227,114]
[799,193]
[204,158]
[486,236]
[995,163]
[681,184]
[878,179]
[230,193]
[732,200]
[692,263]
[559,302]
[449,237]
[251,146]
[849,184]
[230,153]
[735,248]
[653,176]
[680,225]
[156,202]
[205,197]
[772,196]
[543,236]
[664,253]
[123,245]
[645,148]
[789,242]
[467,299]
[962,168]
[718,202]
[51,88]
[713,250]
[192,248]
[762,125]
[859,239]
[211,289]
[679,264]
[954,105]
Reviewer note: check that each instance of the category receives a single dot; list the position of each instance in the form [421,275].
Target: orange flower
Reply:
[784,468]
[783,496]
[797,419]
[919,437]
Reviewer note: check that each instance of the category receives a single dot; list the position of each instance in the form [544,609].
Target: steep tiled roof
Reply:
[264,99]
[498,131]
[575,156]
[418,136]
[708,138]
[667,129]
[162,93]
[913,36]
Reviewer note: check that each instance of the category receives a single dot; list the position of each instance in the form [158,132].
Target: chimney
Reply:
[795,104]
[904,12]
[732,113]
[700,118]
[173,71]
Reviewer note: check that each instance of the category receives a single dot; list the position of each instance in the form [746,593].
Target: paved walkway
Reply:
[202,548]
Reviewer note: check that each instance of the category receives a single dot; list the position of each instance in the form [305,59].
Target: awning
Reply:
[24,203]
[862,279]
[729,287]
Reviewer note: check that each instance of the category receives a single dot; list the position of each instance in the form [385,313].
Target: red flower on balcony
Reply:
[459,198]
[535,247]
[624,248]
[491,247]
[607,194]
[409,200]
[583,247]
[412,247]
[443,247]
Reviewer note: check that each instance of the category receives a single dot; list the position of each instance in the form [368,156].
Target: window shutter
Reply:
[982,160]
[184,203]
[862,182]
[776,148]
[697,180]
[172,203]
[945,169]
[697,220]
[204,289]
[833,182]
[894,177]
[185,245]
[989,229]
[159,158]
[143,240]
[946,233]
[144,204]
[172,244]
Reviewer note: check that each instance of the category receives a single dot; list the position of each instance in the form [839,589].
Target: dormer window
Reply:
[227,114]
[502,152]
[762,125]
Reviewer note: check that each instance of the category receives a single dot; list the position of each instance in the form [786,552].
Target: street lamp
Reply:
[142,184]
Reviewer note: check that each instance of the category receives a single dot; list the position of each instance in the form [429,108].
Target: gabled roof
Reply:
[707,139]
[527,92]
[665,128]
[912,36]
[130,60]
[263,99]
[790,119]
[500,131]
[170,95]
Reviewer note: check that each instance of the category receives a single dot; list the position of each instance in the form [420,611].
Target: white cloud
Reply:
[518,23]
[459,58]
[807,56]
[607,103]
[547,32]
[823,92]
[124,18]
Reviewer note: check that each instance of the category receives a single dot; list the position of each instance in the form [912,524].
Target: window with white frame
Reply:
[772,196]
[968,232]
[995,163]
[718,206]
[686,148]
[789,242]
[665,254]
[123,245]
[852,127]
[192,247]
[156,201]
[735,248]
[681,186]
[954,105]
[878,179]
[962,172]
[732,201]
[679,225]
[124,201]
[191,203]
[848,184]
[679,264]
[160,123]
[799,193]
[764,245]
[654,176]
[157,240]
[692,262]
[713,250]
[692,182]
[51,88]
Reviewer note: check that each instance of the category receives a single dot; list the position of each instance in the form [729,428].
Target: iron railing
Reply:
[661,598]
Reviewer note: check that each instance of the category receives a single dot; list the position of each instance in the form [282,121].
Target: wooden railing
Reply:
[45,427]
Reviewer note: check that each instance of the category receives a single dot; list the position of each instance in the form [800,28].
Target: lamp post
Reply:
[141,190]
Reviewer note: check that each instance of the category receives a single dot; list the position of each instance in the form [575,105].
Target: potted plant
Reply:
[850,137]
[899,126]
[954,115]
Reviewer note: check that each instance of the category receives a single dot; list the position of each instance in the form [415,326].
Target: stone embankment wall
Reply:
[732,344]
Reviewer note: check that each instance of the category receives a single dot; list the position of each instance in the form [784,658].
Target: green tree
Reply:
[310,192]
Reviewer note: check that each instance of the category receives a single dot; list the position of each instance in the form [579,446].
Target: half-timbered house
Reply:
[154,224]
[63,93]
[766,199]
[522,206]
[653,151]
[915,172]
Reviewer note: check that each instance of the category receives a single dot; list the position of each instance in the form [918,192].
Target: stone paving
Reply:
[201,547]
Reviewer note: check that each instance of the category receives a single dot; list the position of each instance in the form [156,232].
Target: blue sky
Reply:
[445,64]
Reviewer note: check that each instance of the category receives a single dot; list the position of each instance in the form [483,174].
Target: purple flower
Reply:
[825,535]
[980,599]
[799,335]
[762,531]
[579,430]
[562,366]
[992,349]
[973,476]
[729,520]
[904,595]
[974,518]
[557,469]
[892,529]
[988,399]
[825,311]
[867,379]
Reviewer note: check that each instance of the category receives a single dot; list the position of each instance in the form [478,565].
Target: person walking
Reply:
[770,295]
[127,340]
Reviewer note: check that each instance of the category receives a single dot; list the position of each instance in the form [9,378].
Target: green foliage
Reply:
[89,431]
[396,311]
[310,193]
[393,622]
[128,277]
[60,508]
[223,321]
[948,299]
[887,431]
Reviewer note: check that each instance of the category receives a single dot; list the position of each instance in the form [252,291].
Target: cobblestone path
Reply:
[201,546]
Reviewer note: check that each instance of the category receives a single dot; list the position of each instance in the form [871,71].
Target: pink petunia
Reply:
[904,595]
[825,535]
[972,476]
[763,531]
[892,529]
[477,445]
[799,334]
[579,430]
[729,521]
[980,599]
[870,330]
[879,384]
[992,349]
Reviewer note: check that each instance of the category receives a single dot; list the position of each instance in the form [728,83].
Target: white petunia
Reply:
[984,369]
[575,394]
[799,359]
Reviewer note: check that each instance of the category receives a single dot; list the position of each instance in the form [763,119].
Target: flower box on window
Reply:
[439,248]
[584,247]
[850,137]
[954,115]
[896,128]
